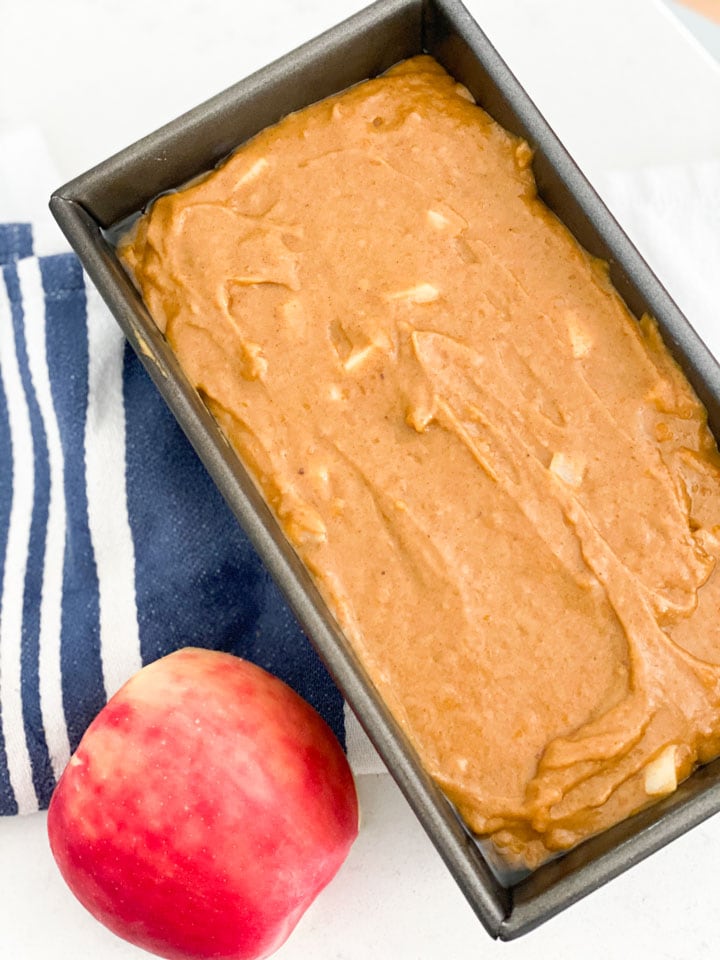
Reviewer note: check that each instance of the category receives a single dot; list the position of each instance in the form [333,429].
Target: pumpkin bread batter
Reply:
[503,485]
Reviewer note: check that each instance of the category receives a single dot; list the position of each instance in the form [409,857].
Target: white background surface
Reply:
[624,87]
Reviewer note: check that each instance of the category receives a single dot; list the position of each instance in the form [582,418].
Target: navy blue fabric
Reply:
[39,755]
[16,242]
[66,324]
[8,803]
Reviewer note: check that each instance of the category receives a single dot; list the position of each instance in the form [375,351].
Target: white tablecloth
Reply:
[625,89]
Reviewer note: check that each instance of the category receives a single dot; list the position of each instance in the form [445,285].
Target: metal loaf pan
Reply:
[89,207]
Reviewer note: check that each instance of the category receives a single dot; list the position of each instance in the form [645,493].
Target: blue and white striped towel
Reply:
[115,546]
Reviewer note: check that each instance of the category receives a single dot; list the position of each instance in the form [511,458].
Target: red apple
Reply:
[204,809]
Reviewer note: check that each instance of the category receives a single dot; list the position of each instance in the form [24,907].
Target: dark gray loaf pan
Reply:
[89,207]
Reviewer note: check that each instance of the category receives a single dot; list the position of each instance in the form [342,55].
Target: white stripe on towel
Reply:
[107,496]
[49,664]
[13,590]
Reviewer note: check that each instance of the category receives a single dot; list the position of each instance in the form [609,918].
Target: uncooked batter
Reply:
[502,483]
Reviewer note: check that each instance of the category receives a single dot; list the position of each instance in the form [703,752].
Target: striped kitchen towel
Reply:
[115,546]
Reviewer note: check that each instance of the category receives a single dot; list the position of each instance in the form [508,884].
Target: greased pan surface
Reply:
[91,205]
